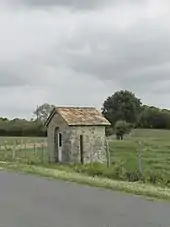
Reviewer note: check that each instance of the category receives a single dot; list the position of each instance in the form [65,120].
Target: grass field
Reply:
[155,153]
[155,150]
[155,159]
[124,156]
[124,163]
[23,149]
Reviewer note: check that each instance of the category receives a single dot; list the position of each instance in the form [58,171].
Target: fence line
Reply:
[36,152]
[140,157]
[108,154]
[25,152]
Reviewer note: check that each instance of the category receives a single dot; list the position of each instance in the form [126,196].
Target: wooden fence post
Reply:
[34,150]
[42,156]
[25,149]
[1,150]
[25,145]
[140,157]
[20,146]
[5,150]
[108,154]
[13,150]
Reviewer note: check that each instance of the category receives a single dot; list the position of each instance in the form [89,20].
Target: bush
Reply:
[115,172]
[109,131]
[133,176]
[118,172]
[96,169]
[122,128]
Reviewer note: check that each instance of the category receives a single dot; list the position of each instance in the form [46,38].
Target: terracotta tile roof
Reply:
[80,116]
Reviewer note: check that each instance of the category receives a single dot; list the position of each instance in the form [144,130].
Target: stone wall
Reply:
[94,143]
[57,121]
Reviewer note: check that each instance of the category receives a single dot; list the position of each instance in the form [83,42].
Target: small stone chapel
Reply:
[76,135]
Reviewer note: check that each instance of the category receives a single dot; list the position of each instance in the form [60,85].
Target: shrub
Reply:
[133,176]
[115,172]
[109,130]
[122,128]
[96,169]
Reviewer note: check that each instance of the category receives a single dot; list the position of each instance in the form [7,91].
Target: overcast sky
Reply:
[78,52]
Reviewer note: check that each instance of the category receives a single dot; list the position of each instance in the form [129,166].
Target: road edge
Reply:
[128,187]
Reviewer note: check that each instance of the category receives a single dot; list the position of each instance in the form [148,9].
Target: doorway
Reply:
[81,149]
[57,145]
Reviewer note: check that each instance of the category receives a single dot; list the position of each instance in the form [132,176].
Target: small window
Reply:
[60,140]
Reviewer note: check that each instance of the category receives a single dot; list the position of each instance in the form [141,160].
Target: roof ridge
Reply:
[76,107]
[75,115]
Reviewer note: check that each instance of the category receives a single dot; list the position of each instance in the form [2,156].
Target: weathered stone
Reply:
[94,149]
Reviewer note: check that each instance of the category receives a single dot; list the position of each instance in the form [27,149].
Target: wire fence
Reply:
[133,155]
[24,152]
[143,155]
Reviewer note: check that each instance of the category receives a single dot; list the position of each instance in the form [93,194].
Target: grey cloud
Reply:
[17,73]
[75,4]
[7,77]
[62,53]
[87,4]
[132,57]
[123,55]
[7,80]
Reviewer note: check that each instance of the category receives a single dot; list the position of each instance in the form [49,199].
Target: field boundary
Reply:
[129,187]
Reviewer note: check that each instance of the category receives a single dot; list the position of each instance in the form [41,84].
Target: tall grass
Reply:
[124,159]
[155,154]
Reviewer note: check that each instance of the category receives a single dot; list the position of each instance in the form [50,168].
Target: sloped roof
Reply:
[73,116]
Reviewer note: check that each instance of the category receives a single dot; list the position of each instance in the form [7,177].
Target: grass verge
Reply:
[129,187]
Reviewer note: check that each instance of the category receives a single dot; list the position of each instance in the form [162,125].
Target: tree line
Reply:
[27,128]
[125,106]
[123,109]
[22,128]
[126,111]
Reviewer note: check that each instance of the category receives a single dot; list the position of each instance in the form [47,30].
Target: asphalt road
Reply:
[27,201]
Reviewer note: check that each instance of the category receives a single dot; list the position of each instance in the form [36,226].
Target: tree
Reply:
[121,128]
[42,112]
[122,105]
[22,127]
[152,117]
